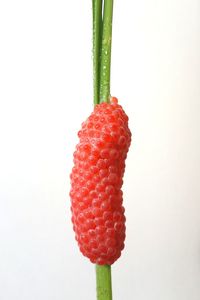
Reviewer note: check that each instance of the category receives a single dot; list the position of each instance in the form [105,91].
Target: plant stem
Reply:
[106,51]
[102,35]
[104,283]
[97,30]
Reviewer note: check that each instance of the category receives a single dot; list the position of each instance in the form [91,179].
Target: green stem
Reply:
[104,283]
[106,51]
[97,30]
[102,35]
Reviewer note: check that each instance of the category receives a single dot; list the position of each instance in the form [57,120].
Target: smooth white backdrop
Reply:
[45,94]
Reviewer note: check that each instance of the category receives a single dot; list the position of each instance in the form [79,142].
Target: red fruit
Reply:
[96,180]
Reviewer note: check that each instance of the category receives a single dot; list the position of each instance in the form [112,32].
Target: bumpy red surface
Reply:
[96,181]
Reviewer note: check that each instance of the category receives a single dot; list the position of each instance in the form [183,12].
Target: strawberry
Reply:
[96,180]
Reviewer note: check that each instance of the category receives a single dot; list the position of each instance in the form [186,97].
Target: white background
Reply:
[45,94]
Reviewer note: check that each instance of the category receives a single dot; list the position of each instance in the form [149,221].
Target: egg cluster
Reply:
[96,181]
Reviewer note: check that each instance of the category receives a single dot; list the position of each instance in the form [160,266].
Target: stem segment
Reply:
[97,31]
[104,283]
[102,35]
[106,51]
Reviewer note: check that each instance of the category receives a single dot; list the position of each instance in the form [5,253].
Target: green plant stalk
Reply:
[106,51]
[102,34]
[97,30]
[104,282]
